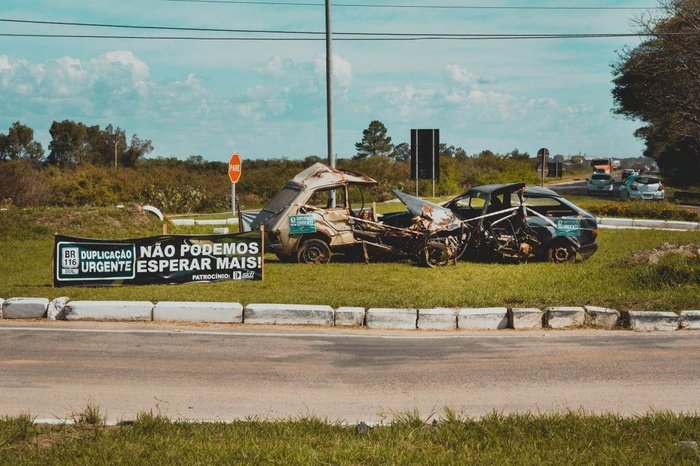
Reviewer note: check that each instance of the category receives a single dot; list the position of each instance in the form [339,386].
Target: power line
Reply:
[364,35]
[415,38]
[416,6]
[158,28]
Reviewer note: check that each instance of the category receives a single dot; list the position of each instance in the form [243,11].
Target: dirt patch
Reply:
[653,256]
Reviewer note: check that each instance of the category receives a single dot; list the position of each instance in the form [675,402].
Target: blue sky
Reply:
[267,99]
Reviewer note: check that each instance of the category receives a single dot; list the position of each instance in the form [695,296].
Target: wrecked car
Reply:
[324,210]
[511,222]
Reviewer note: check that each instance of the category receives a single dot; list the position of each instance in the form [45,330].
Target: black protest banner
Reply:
[157,259]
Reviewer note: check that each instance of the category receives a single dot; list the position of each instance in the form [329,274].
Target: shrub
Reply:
[671,269]
[663,210]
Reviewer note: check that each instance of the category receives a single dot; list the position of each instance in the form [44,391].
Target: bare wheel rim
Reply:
[315,252]
[561,254]
[436,255]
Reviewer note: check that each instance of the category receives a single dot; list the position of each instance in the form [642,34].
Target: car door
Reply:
[331,220]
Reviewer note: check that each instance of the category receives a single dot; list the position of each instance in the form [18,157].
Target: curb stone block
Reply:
[439,318]
[392,318]
[24,308]
[194,311]
[564,317]
[525,318]
[690,320]
[602,317]
[56,308]
[287,314]
[1,301]
[109,310]
[489,318]
[350,316]
[649,321]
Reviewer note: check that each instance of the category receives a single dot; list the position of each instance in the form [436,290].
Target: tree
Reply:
[658,82]
[401,152]
[75,143]
[374,141]
[19,143]
[515,154]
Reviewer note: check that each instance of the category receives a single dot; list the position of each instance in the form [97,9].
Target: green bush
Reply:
[663,210]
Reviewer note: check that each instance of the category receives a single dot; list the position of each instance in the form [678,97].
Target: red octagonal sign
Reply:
[234,167]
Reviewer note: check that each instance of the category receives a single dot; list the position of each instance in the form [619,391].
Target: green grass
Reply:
[569,438]
[607,279]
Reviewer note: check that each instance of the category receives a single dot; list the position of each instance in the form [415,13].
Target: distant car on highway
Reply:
[642,187]
[600,183]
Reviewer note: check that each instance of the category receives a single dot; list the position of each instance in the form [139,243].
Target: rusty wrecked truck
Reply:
[324,210]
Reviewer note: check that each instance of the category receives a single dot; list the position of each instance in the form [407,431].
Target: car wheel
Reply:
[314,251]
[561,253]
[436,254]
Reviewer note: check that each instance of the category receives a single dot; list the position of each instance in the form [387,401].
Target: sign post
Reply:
[234,174]
[543,154]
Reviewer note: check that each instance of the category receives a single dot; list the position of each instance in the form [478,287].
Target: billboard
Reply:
[157,259]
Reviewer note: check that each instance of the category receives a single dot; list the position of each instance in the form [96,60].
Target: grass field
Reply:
[607,279]
[572,438]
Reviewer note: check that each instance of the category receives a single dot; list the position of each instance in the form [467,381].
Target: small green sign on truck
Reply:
[302,224]
[569,226]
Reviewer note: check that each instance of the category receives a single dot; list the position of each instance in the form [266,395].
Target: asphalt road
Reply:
[211,372]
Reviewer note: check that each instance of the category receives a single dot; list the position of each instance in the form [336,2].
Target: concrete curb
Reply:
[391,318]
[439,318]
[652,224]
[490,318]
[24,308]
[109,310]
[487,318]
[690,320]
[564,317]
[288,314]
[602,317]
[652,321]
[525,318]
[193,311]
[350,317]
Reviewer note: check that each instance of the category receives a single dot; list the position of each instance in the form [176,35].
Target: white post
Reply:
[233,199]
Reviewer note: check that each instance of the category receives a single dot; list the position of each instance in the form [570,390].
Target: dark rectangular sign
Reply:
[425,154]
[157,259]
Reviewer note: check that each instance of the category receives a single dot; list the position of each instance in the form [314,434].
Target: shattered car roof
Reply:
[495,189]
[319,175]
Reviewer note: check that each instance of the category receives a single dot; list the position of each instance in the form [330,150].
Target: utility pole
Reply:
[329,92]
[116,143]
[329,84]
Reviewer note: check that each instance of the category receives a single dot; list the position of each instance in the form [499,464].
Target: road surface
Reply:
[54,369]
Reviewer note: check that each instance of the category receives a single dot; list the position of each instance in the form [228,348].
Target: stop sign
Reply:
[234,167]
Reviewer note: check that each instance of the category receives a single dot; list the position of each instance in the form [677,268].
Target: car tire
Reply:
[314,251]
[561,253]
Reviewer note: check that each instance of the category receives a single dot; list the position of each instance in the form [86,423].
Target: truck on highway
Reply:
[602,166]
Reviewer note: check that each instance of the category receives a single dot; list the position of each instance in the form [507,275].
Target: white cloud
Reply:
[461,75]
[342,69]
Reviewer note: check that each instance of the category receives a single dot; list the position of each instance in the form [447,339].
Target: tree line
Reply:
[74,143]
[658,83]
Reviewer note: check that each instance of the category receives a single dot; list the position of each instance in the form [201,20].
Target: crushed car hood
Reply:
[441,217]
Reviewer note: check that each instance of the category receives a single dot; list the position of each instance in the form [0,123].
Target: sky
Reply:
[266,99]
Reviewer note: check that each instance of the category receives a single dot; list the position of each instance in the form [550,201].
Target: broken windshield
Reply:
[281,200]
